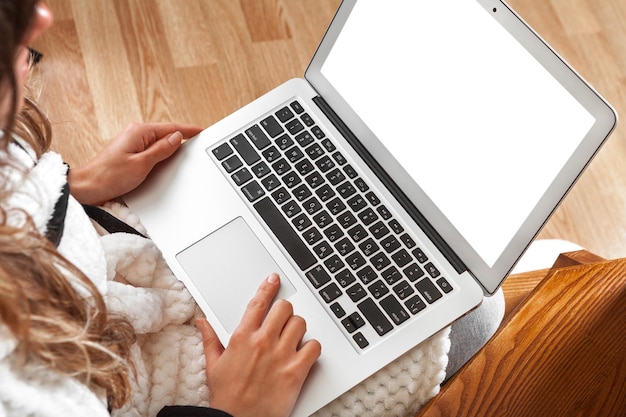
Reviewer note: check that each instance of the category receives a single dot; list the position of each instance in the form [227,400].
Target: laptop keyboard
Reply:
[357,257]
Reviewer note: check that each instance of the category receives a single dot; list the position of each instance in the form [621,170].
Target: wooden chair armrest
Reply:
[560,353]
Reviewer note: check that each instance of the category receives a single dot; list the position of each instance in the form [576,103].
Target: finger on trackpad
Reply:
[227,267]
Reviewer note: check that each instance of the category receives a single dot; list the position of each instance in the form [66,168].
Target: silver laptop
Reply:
[392,188]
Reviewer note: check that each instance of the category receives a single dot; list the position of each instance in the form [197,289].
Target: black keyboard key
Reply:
[244,149]
[291,179]
[379,230]
[373,198]
[394,310]
[253,191]
[419,255]
[355,260]
[334,264]
[294,154]
[384,212]
[357,233]
[407,240]
[367,275]
[401,258]
[323,250]
[444,285]
[335,206]
[380,261]
[315,151]
[375,316]
[357,203]
[302,192]
[242,176]
[312,205]
[323,219]
[325,193]
[339,158]
[271,154]
[368,216]
[356,292]
[304,139]
[353,322]
[330,293]
[403,290]
[391,275]
[345,277]
[285,234]
[291,208]
[307,119]
[284,142]
[428,290]
[261,169]
[232,164]
[432,270]
[281,166]
[396,226]
[415,304]
[325,164]
[270,182]
[281,196]
[284,114]
[318,277]
[301,222]
[413,272]
[333,233]
[335,176]
[258,138]
[361,184]
[294,127]
[319,133]
[390,244]
[344,246]
[328,145]
[271,126]
[337,310]
[350,171]
[297,107]
[312,236]
[315,180]
[360,340]
[368,247]
[222,151]
[346,190]
[305,167]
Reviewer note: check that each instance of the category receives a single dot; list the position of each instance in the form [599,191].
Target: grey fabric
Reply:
[470,333]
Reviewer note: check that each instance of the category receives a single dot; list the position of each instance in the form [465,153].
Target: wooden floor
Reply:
[110,62]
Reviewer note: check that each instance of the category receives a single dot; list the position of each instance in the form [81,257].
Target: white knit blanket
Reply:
[169,356]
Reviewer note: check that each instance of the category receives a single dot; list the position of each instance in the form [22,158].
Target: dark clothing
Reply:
[190,411]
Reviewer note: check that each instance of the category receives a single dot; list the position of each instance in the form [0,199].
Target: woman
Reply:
[57,342]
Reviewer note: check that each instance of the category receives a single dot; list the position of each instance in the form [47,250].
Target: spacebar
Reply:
[285,234]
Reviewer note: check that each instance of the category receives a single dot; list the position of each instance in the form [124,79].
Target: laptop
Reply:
[392,187]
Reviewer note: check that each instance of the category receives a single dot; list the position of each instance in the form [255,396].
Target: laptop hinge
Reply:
[386,179]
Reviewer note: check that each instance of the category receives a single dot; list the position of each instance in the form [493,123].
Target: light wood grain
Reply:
[111,62]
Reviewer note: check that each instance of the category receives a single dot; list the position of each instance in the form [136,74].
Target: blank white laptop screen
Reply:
[466,143]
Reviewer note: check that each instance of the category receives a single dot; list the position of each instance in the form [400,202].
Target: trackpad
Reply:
[227,267]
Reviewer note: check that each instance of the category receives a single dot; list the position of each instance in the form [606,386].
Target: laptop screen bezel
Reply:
[490,277]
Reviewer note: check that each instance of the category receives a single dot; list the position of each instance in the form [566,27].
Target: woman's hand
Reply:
[127,160]
[262,370]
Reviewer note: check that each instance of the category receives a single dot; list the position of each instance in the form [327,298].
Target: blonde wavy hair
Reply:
[54,311]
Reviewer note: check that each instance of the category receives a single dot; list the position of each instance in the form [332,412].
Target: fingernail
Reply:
[273,279]
[175,138]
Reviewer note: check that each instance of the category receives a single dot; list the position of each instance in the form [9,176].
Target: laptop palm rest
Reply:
[227,267]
